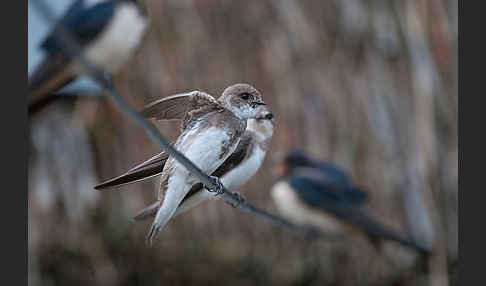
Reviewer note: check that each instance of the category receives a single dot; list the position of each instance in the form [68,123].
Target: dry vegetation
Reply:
[369,85]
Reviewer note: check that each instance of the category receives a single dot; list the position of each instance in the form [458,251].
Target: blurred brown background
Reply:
[369,85]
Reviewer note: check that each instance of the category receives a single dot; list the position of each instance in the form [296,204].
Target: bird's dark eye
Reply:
[269,116]
[245,96]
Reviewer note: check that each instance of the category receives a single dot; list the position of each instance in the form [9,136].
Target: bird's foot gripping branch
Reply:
[216,186]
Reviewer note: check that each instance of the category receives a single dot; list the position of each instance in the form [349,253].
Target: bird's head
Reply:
[292,160]
[242,99]
[263,123]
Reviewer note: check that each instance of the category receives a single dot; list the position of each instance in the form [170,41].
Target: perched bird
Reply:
[321,195]
[240,166]
[108,32]
[211,132]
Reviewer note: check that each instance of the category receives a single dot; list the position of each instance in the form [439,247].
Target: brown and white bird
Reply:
[240,166]
[108,31]
[212,130]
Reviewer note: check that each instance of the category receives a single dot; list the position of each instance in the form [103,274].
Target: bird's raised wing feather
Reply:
[179,105]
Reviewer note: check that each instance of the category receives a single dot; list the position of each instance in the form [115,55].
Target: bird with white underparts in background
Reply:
[236,170]
[321,195]
[211,132]
[108,32]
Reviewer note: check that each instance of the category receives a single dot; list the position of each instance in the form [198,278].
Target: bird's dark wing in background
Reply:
[322,194]
[326,184]
[343,203]
[84,22]
[333,173]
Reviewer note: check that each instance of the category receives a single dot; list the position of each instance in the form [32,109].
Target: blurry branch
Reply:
[73,49]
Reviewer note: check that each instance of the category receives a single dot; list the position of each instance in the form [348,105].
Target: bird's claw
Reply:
[240,199]
[216,186]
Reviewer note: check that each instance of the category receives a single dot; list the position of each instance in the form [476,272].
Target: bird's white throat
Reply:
[263,129]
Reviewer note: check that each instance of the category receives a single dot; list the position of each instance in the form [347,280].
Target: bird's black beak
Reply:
[257,102]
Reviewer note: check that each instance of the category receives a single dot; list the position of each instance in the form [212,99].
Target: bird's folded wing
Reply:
[334,172]
[179,105]
[318,190]
[146,170]
[241,152]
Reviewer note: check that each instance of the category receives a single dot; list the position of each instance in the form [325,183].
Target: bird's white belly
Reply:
[232,180]
[245,170]
[292,207]
[194,200]
[205,150]
[120,38]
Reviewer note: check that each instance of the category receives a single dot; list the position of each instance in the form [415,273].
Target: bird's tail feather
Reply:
[173,197]
[375,230]
[184,206]
[163,216]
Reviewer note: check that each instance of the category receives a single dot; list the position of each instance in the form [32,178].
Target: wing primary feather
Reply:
[179,105]
[144,171]
[171,107]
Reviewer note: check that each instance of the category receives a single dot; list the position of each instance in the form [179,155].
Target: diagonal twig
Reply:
[72,47]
